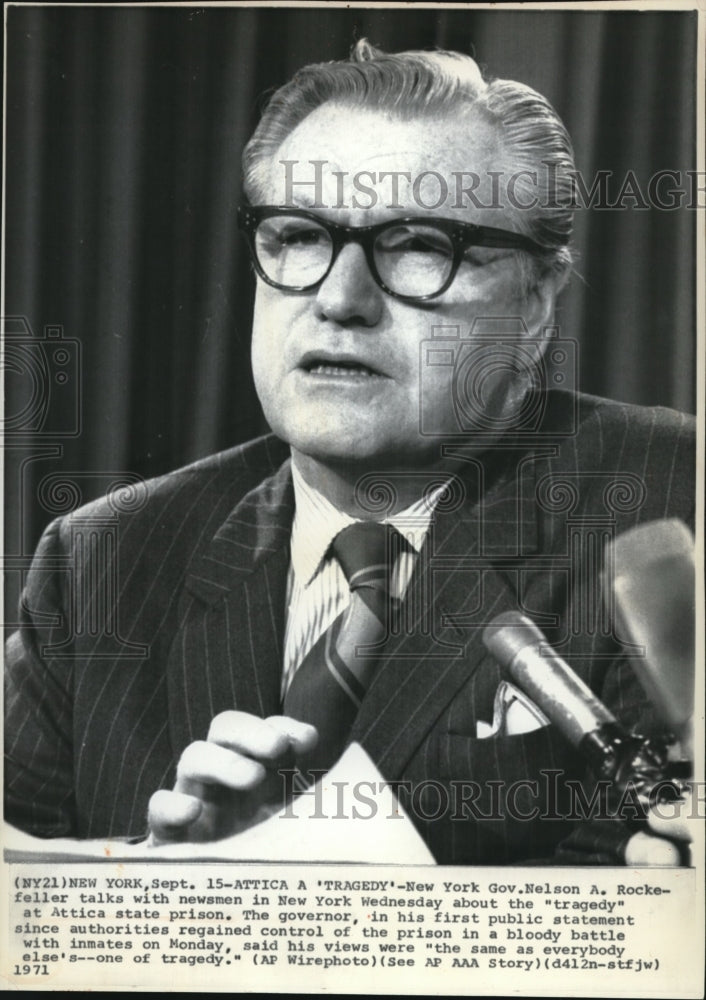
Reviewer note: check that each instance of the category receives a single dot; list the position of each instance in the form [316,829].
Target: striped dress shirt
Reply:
[317,589]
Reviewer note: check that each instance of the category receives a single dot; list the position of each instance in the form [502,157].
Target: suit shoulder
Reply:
[237,469]
[649,448]
[616,417]
[217,481]
[614,432]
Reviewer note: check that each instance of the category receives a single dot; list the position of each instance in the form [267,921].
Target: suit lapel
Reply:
[468,572]
[227,653]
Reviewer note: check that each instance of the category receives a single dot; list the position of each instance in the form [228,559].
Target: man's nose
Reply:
[349,294]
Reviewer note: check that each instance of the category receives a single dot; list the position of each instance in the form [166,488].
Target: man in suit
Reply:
[398,247]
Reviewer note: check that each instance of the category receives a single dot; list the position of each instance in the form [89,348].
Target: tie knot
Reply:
[367,550]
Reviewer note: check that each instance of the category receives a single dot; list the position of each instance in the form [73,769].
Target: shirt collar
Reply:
[317,522]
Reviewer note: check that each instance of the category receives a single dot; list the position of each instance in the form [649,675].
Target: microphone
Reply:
[521,648]
[650,573]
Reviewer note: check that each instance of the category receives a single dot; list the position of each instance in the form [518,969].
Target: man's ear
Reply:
[540,303]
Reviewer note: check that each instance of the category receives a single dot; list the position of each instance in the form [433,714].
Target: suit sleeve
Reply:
[39,792]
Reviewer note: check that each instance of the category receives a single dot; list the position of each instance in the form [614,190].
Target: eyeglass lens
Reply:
[412,259]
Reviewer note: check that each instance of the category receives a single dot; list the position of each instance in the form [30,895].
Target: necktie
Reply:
[330,683]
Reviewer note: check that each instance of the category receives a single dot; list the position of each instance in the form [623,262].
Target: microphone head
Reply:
[521,649]
[510,633]
[650,573]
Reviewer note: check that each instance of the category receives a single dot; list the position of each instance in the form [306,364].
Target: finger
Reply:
[170,814]
[302,736]
[645,850]
[670,819]
[249,735]
[205,763]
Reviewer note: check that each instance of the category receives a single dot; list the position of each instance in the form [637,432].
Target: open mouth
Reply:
[338,367]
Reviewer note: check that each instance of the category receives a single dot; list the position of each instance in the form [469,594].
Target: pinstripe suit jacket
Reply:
[145,616]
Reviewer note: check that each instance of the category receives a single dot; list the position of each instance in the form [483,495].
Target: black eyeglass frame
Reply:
[463,235]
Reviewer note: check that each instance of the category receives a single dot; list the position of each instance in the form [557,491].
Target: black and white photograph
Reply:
[353,563]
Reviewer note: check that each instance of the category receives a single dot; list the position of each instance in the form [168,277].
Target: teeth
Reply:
[340,370]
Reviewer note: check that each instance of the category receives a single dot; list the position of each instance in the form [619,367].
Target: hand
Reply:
[666,841]
[229,781]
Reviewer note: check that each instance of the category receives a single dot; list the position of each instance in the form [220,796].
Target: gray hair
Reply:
[424,84]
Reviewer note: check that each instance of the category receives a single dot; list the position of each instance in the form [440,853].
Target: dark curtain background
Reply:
[124,131]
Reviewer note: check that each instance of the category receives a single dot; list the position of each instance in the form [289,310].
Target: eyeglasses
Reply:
[410,258]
